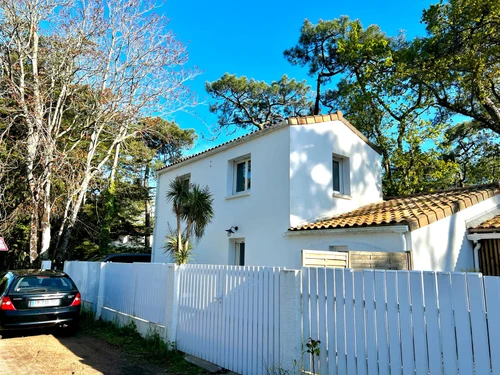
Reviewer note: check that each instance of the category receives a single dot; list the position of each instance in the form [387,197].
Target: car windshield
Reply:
[35,284]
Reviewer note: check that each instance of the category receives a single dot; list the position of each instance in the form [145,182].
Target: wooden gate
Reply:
[230,316]
[489,257]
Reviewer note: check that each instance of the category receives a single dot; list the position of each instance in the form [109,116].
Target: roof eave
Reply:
[352,230]
[223,147]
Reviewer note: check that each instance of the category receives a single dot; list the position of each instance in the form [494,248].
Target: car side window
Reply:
[4,281]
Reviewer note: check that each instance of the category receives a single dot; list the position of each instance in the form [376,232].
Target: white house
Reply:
[308,191]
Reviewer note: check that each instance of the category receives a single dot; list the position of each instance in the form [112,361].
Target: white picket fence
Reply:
[86,276]
[137,289]
[252,319]
[230,316]
[400,322]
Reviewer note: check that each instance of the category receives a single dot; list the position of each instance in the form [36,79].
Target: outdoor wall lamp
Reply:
[231,231]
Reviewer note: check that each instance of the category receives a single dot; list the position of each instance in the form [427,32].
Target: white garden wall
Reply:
[257,320]
[443,245]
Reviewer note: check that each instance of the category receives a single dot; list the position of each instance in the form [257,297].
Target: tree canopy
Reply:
[410,97]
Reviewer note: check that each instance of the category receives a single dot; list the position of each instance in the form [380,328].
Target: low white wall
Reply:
[443,245]
[322,240]
[86,276]
[144,327]
[136,289]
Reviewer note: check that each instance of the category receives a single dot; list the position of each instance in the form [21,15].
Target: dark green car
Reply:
[38,299]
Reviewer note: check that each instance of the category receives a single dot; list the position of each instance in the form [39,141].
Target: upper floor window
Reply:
[185,178]
[242,175]
[340,175]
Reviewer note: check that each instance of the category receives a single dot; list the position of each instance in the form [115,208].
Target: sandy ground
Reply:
[40,353]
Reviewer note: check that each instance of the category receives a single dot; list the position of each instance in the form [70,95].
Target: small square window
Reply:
[242,175]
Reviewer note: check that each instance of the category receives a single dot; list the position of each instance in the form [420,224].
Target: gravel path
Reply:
[40,353]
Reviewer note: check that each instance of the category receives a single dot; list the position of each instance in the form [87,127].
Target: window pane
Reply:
[336,175]
[240,177]
[242,254]
[249,176]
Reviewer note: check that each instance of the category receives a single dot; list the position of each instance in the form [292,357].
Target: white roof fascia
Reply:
[483,236]
[361,230]
[228,145]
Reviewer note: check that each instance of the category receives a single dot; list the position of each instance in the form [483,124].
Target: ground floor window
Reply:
[239,253]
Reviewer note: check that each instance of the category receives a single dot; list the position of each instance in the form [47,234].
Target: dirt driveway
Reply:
[40,353]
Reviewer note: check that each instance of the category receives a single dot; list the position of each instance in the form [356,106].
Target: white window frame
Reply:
[246,160]
[344,177]
[340,162]
[185,177]
[237,252]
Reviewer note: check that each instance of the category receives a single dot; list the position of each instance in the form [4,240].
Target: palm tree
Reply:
[193,205]
[178,194]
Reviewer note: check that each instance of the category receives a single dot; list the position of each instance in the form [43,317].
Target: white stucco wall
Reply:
[291,171]
[443,245]
[354,240]
[311,149]
[262,216]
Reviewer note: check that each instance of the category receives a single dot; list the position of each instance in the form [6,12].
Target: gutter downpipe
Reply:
[477,246]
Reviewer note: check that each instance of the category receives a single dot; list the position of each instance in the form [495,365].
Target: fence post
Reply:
[173,275]
[100,293]
[290,320]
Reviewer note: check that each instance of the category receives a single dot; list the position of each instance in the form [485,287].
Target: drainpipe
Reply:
[403,240]
[476,254]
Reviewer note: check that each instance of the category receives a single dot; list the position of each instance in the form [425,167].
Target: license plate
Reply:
[45,303]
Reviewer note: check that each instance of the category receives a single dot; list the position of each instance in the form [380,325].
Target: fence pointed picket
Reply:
[255,320]
[432,320]
[492,292]
[447,324]
[462,323]
[393,322]
[418,322]
[478,324]
[349,322]
[322,324]
[306,313]
[359,306]
[340,320]
[405,320]
[276,336]
[381,317]
[331,322]
[371,341]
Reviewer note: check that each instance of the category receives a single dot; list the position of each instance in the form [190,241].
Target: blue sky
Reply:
[248,38]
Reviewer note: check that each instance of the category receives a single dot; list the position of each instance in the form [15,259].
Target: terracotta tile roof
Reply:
[415,211]
[491,225]
[303,120]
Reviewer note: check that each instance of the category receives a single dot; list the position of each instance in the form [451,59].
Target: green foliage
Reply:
[150,349]
[313,349]
[244,103]
[121,208]
[180,254]
[335,47]
[192,205]
[459,60]
[475,152]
